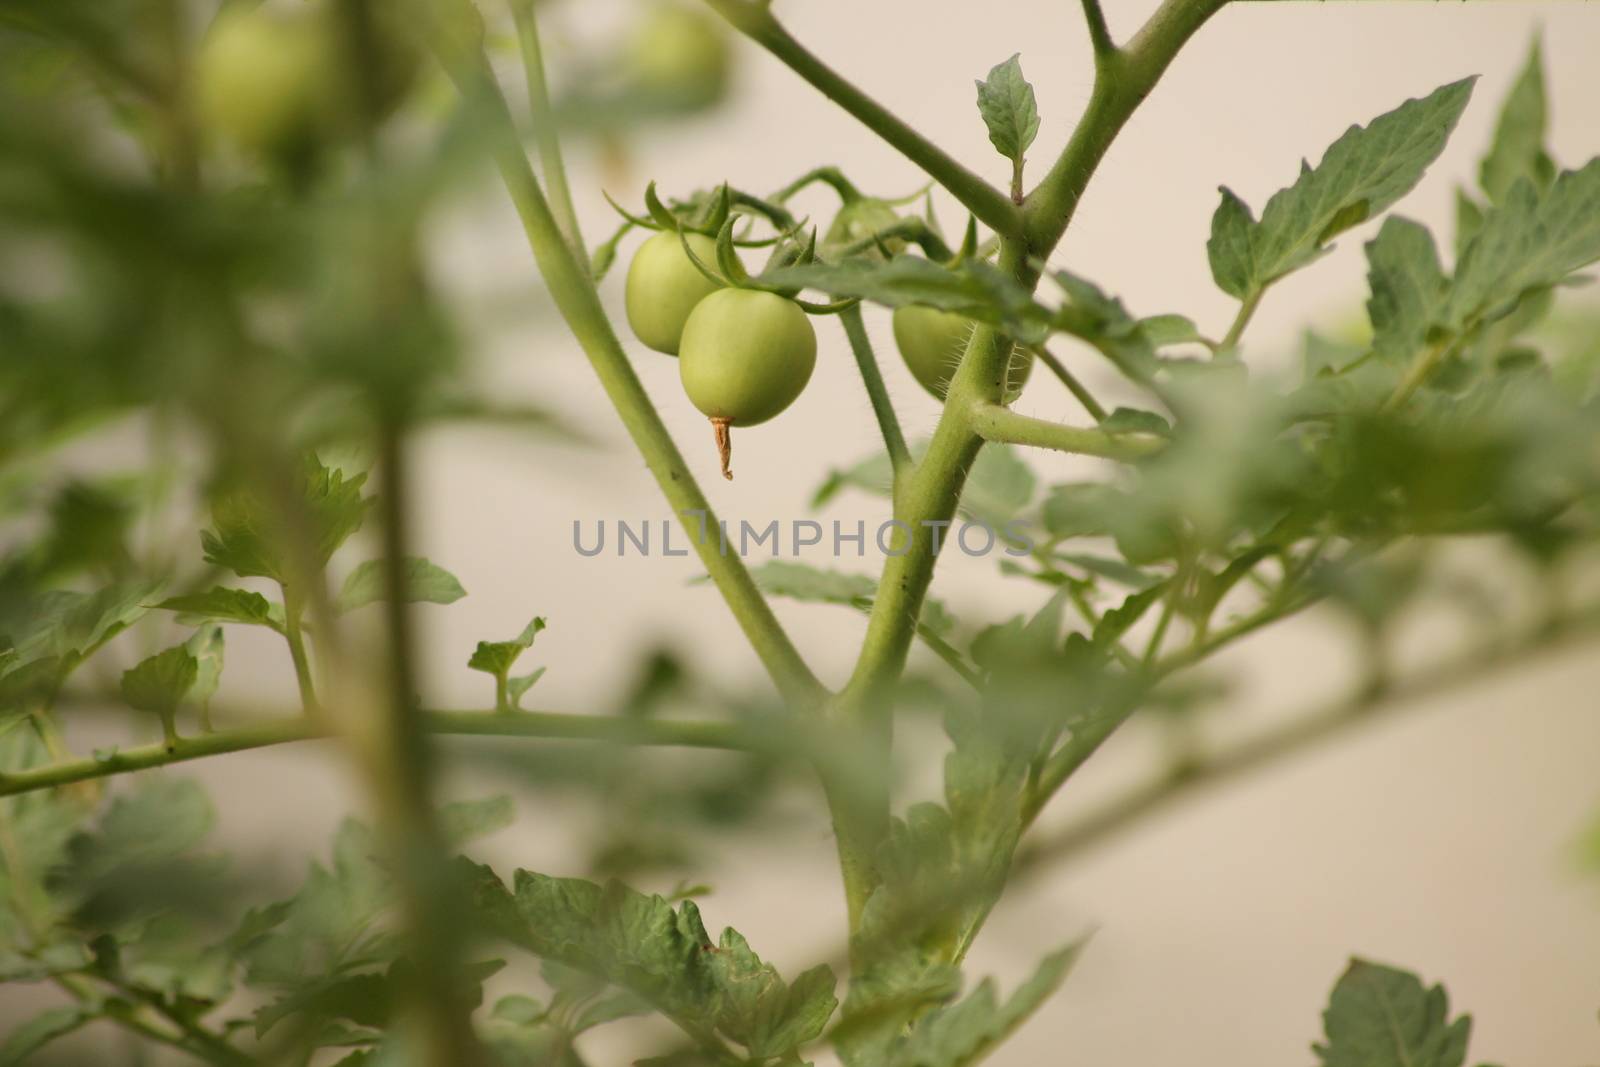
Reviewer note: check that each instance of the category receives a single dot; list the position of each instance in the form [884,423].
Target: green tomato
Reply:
[680,55]
[664,287]
[264,76]
[859,220]
[746,356]
[932,341]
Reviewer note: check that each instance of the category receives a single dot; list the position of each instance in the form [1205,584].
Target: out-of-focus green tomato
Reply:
[264,78]
[680,55]
[932,341]
[859,220]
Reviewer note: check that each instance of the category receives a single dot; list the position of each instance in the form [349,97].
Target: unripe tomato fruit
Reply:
[263,77]
[664,287]
[680,55]
[746,355]
[932,341]
[859,220]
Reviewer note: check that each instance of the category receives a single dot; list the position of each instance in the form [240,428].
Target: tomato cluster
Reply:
[746,347]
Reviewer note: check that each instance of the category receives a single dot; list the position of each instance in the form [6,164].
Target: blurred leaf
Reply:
[965,1032]
[1528,242]
[422,582]
[248,537]
[1409,288]
[662,954]
[227,605]
[466,821]
[39,1031]
[1361,174]
[1518,149]
[999,486]
[1163,330]
[159,684]
[1382,1017]
[813,585]
[1133,420]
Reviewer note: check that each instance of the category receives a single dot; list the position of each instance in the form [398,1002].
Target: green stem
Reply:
[756,21]
[1099,33]
[830,176]
[1088,736]
[544,126]
[1304,731]
[401,773]
[293,605]
[855,329]
[617,730]
[1247,311]
[995,422]
[1070,380]
[575,296]
[1123,78]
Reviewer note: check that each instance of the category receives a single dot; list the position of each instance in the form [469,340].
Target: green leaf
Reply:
[160,683]
[1527,243]
[1382,1017]
[1409,289]
[517,687]
[1133,420]
[332,924]
[1469,220]
[758,1010]
[1008,107]
[642,944]
[973,288]
[207,648]
[42,1029]
[421,582]
[228,605]
[999,485]
[1362,173]
[1080,509]
[1163,330]
[498,657]
[1518,149]
[965,1032]
[1119,620]
[248,537]
[814,585]
[466,821]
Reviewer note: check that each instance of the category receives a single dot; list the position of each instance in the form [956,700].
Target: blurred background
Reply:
[1445,840]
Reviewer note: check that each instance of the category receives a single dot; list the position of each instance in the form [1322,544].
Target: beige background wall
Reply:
[1439,842]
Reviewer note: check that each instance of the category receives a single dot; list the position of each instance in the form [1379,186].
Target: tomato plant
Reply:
[204,331]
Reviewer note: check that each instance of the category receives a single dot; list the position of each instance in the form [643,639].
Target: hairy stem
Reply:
[1070,380]
[1123,78]
[990,205]
[1099,33]
[995,422]
[871,377]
